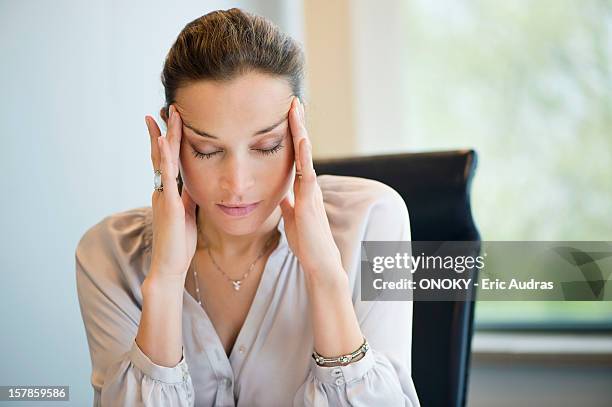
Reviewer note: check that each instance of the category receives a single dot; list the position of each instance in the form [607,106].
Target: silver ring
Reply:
[157,181]
[299,174]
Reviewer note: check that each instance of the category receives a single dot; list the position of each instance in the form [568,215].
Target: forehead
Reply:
[245,104]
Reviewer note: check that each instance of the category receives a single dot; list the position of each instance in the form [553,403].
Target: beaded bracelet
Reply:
[344,359]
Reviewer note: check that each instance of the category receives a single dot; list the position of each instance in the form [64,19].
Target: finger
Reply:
[296,130]
[302,113]
[169,124]
[308,171]
[168,179]
[171,136]
[154,133]
[304,149]
[303,118]
[175,132]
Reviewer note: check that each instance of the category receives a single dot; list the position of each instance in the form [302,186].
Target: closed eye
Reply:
[269,151]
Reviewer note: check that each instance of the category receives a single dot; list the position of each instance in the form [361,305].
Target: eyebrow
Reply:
[257,133]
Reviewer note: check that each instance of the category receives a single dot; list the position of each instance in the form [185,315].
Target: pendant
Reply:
[236,285]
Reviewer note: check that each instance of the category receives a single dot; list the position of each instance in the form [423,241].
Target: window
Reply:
[529,86]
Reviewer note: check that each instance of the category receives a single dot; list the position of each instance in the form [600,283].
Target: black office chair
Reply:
[436,189]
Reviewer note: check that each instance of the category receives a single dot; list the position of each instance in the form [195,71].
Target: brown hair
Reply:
[224,44]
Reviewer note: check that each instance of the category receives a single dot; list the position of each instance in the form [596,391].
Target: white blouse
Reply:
[270,363]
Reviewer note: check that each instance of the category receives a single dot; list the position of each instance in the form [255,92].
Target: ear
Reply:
[163,114]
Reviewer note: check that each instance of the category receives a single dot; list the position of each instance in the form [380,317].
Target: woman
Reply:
[239,285]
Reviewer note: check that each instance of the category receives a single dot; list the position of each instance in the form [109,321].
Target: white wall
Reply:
[77,79]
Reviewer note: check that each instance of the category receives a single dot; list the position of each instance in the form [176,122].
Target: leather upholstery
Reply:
[436,189]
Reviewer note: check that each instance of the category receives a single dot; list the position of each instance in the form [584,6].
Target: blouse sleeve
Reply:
[107,284]
[383,376]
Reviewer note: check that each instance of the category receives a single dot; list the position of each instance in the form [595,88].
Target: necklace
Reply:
[236,283]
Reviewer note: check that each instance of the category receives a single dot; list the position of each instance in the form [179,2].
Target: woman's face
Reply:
[236,147]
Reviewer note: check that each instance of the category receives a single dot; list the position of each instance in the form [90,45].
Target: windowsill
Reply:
[542,347]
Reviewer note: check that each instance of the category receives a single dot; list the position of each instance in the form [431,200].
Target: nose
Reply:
[237,178]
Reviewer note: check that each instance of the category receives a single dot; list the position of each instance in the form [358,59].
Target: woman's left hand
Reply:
[306,224]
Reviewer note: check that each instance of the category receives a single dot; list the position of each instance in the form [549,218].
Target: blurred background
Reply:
[527,84]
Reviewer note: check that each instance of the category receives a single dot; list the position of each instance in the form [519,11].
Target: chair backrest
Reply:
[436,189]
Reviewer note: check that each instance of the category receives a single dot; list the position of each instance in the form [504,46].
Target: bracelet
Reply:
[344,359]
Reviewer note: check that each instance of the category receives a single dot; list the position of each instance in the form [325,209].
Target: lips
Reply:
[238,205]
[241,210]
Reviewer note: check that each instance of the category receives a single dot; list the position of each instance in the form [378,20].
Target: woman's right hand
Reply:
[174,217]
